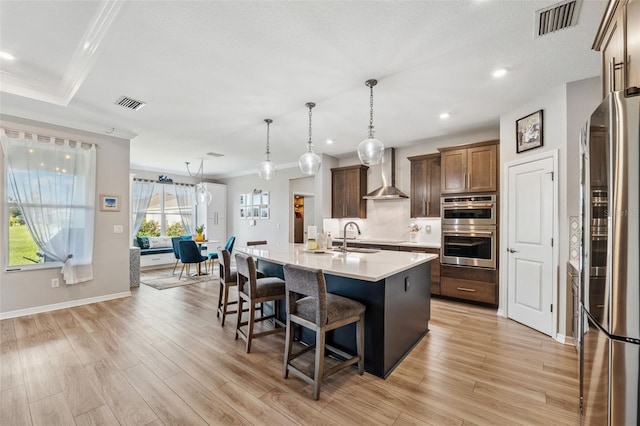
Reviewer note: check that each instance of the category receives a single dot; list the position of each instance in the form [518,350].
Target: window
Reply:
[170,211]
[50,199]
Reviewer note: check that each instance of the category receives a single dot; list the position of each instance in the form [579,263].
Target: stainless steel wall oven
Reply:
[469,230]
[468,210]
[469,246]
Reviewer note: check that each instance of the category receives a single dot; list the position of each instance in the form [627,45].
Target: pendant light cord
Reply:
[371,112]
[268,151]
[310,105]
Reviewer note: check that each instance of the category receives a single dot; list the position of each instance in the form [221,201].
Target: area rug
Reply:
[162,279]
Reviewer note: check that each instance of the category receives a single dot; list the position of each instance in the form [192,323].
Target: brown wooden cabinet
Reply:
[474,284]
[618,40]
[469,168]
[435,265]
[348,186]
[425,185]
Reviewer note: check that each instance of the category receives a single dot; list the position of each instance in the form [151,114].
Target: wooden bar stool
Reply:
[228,278]
[255,290]
[309,305]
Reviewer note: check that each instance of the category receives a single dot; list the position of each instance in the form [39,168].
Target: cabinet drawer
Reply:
[157,260]
[470,290]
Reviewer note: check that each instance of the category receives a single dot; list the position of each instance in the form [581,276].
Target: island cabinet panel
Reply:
[398,310]
[348,186]
[435,265]
[470,168]
[473,284]
[425,185]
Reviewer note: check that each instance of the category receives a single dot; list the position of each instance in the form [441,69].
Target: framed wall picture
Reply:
[529,132]
[243,214]
[265,198]
[256,212]
[109,203]
[264,212]
[243,199]
[257,197]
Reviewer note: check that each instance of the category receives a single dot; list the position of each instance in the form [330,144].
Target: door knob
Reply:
[511,250]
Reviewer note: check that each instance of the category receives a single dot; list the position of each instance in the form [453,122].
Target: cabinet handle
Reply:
[470,290]
[612,79]
[465,180]
[428,208]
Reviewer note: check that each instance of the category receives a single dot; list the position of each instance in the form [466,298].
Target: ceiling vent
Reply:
[130,103]
[557,17]
[215,154]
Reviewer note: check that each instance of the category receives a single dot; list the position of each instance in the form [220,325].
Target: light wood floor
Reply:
[161,357]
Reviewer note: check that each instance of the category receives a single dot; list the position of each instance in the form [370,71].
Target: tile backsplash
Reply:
[574,238]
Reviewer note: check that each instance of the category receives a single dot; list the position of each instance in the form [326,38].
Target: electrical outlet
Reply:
[427,229]
[118,229]
[55,282]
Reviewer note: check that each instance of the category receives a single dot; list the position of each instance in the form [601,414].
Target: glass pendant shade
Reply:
[267,170]
[370,151]
[309,163]
[203,197]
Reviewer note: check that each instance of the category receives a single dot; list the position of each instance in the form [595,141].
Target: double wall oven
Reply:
[469,236]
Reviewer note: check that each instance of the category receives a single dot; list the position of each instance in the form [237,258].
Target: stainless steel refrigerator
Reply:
[610,290]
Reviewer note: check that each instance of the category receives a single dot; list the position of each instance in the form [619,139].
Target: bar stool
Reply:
[309,305]
[256,290]
[228,278]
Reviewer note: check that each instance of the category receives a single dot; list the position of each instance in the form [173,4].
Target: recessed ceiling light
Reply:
[445,115]
[501,72]
[329,141]
[86,45]
[8,56]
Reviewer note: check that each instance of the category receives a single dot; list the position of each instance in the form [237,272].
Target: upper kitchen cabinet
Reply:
[425,185]
[469,168]
[348,186]
[618,39]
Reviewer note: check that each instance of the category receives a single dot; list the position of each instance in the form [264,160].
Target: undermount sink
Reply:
[361,250]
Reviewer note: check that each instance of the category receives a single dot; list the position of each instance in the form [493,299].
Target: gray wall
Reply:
[566,109]
[24,292]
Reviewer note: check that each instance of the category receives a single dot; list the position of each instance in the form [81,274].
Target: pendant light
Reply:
[203,197]
[267,169]
[309,161]
[370,150]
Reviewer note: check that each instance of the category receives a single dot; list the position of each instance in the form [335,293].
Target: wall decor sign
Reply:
[109,203]
[529,132]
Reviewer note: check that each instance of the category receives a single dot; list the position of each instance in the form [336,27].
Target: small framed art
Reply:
[529,132]
[109,203]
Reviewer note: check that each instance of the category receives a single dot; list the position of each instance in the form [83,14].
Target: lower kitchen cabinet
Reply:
[435,265]
[473,284]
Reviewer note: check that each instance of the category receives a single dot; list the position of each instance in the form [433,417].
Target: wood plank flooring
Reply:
[161,358]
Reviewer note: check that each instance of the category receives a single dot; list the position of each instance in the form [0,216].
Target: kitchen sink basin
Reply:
[361,250]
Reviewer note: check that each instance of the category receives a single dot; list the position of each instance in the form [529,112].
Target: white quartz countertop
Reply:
[401,243]
[363,266]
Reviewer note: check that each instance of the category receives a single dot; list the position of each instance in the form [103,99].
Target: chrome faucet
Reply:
[344,234]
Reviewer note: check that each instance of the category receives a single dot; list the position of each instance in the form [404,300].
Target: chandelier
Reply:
[309,161]
[267,169]
[203,197]
[371,149]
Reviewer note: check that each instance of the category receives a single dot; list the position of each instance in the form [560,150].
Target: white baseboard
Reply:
[500,313]
[565,340]
[62,305]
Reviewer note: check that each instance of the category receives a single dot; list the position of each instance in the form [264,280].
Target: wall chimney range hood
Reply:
[388,190]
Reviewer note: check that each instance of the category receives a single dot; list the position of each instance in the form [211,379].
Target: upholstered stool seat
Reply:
[254,290]
[310,306]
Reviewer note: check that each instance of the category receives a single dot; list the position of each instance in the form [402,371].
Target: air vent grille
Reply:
[130,103]
[557,17]
[215,154]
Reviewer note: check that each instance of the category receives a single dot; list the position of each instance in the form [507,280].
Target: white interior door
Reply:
[530,249]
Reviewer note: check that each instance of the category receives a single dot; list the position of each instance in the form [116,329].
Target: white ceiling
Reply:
[212,71]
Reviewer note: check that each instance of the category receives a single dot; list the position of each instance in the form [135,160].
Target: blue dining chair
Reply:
[229,247]
[176,251]
[190,253]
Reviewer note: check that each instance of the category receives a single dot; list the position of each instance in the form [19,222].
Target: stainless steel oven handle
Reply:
[454,233]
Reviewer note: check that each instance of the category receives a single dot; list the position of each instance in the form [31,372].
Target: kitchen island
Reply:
[394,287]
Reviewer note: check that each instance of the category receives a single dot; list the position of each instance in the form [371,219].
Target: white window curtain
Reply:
[53,181]
[184,197]
[141,194]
